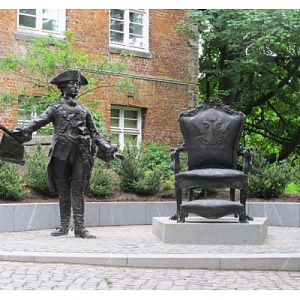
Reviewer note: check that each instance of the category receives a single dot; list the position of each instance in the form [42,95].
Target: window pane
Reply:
[117,14]
[136,17]
[130,124]
[136,29]
[130,139]
[136,41]
[117,25]
[115,138]
[27,21]
[127,27]
[115,113]
[116,37]
[25,110]
[52,14]
[51,25]
[28,11]
[130,114]
[25,105]
[114,123]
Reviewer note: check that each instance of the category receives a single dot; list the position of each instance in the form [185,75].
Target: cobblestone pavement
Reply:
[34,276]
[139,240]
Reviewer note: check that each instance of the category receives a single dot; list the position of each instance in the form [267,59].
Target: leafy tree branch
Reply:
[250,59]
[46,57]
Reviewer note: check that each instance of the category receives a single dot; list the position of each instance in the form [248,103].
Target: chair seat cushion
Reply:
[212,208]
[213,174]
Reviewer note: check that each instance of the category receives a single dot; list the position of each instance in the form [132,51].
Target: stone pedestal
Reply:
[201,231]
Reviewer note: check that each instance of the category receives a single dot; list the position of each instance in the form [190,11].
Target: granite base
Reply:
[201,231]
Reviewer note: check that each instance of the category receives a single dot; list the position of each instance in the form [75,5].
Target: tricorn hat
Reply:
[69,75]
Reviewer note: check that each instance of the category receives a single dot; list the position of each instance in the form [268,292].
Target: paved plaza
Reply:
[31,274]
[139,239]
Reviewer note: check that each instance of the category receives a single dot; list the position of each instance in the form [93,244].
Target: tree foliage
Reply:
[46,57]
[250,59]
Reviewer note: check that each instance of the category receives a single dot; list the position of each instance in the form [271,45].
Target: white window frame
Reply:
[39,30]
[28,117]
[125,44]
[122,131]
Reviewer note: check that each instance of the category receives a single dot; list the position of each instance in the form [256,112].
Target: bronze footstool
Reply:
[213,209]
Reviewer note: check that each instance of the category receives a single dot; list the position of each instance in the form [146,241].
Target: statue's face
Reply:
[71,89]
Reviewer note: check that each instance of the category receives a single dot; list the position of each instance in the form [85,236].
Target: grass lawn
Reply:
[292,188]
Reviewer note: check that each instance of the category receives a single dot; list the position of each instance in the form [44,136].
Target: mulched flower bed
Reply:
[119,196]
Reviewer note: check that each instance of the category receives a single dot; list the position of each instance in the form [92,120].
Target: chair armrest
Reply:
[247,154]
[175,160]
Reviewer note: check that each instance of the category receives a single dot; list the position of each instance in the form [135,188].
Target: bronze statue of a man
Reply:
[71,155]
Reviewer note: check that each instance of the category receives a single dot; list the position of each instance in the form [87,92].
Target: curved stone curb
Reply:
[31,216]
[279,262]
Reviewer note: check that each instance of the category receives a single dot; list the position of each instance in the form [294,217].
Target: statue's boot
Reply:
[64,195]
[78,188]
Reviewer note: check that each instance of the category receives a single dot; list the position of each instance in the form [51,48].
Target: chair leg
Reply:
[232,198]
[243,217]
[232,194]
[178,194]
[182,217]
[243,198]
[190,195]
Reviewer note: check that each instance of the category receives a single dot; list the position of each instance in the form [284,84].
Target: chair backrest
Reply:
[212,133]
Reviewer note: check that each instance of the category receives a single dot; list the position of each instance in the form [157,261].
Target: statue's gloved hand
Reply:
[119,156]
[108,152]
[23,132]
[116,154]
[112,149]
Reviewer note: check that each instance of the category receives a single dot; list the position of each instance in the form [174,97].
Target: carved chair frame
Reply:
[190,184]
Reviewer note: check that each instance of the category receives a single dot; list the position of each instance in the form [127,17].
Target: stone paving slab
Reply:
[278,262]
[137,246]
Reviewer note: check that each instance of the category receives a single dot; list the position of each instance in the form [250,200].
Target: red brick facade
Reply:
[166,78]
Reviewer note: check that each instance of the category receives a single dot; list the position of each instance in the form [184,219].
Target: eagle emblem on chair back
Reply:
[212,133]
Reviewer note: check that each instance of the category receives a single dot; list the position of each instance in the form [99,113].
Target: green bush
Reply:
[268,180]
[102,183]
[11,186]
[36,176]
[156,155]
[149,183]
[168,184]
[145,169]
[129,170]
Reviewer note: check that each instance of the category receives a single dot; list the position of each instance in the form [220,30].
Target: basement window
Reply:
[126,126]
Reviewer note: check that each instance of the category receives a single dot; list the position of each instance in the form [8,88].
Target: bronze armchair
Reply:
[211,133]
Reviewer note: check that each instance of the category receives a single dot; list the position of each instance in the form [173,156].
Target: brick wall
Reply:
[166,79]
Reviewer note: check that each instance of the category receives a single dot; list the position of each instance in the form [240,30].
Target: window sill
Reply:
[135,53]
[24,36]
